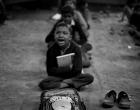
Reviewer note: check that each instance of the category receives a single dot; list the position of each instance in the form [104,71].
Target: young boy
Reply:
[67,76]
[80,5]
[77,14]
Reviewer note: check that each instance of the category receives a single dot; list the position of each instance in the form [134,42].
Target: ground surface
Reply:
[116,61]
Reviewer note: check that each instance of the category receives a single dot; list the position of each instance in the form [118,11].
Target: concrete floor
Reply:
[115,64]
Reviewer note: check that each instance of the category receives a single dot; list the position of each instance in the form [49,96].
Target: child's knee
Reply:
[90,78]
[40,85]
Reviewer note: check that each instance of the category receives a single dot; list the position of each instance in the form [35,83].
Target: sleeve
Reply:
[81,20]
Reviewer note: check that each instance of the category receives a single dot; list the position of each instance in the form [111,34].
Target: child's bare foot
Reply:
[64,85]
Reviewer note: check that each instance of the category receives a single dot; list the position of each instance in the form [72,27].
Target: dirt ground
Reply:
[115,64]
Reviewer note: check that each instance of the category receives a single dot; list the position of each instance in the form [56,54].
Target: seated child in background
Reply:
[78,34]
[82,6]
[128,10]
[81,9]
[67,76]
[77,15]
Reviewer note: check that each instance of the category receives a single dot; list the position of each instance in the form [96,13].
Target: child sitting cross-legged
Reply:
[67,75]
[78,34]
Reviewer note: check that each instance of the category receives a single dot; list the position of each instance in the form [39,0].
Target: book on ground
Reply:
[65,60]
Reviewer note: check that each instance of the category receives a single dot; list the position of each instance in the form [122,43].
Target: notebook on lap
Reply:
[65,60]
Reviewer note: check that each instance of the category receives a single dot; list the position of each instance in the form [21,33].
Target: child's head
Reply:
[70,3]
[62,34]
[67,13]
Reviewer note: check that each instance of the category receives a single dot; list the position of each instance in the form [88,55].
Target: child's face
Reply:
[67,18]
[62,36]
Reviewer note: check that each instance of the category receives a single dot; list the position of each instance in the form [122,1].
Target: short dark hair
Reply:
[62,23]
[67,10]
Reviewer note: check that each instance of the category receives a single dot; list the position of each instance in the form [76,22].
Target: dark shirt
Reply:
[64,72]
[75,28]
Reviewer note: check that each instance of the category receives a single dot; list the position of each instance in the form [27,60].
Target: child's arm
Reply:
[52,67]
[81,32]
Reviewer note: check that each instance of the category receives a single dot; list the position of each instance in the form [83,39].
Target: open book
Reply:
[65,60]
